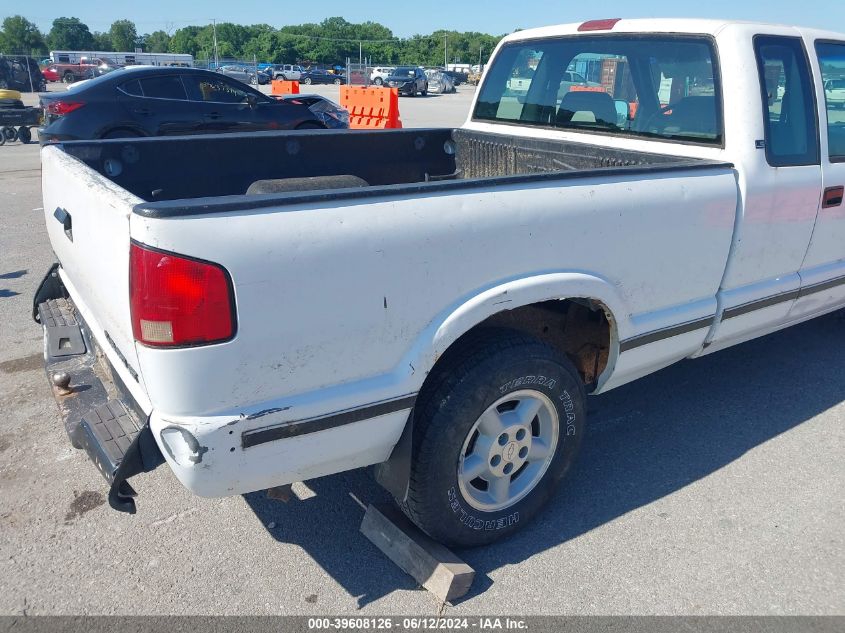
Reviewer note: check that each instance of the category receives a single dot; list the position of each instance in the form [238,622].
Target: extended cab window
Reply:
[789,109]
[832,63]
[660,87]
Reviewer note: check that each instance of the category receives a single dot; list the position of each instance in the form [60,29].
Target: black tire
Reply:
[307,81]
[10,134]
[309,125]
[253,80]
[2,139]
[24,135]
[338,81]
[378,81]
[68,78]
[469,379]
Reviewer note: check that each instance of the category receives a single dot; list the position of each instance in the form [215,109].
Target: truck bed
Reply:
[168,169]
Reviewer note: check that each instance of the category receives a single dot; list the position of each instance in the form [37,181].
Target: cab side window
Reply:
[832,63]
[789,106]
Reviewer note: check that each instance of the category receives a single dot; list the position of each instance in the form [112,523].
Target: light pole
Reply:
[214,31]
[445,52]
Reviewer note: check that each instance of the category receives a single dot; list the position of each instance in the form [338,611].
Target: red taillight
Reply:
[178,301]
[599,25]
[61,108]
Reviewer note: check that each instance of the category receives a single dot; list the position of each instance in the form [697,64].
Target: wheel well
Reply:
[579,328]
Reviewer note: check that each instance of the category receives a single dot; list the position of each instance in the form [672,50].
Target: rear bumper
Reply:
[98,413]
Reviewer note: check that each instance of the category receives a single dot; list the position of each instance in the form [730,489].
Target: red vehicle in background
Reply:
[50,73]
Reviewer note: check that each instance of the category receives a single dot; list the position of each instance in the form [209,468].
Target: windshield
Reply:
[404,72]
[650,86]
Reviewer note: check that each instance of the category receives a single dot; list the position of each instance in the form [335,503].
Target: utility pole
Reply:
[445,52]
[360,54]
[480,48]
[216,57]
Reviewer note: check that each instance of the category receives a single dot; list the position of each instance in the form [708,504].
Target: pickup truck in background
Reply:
[87,68]
[261,309]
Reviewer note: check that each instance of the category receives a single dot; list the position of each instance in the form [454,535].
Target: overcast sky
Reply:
[489,16]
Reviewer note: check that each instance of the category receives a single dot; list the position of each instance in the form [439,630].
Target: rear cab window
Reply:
[832,64]
[789,107]
[663,87]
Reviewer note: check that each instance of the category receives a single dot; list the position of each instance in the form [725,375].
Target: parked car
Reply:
[380,74]
[246,74]
[441,301]
[285,72]
[152,101]
[21,73]
[51,74]
[834,92]
[410,80]
[457,76]
[331,114]
[318,76]
[439,82]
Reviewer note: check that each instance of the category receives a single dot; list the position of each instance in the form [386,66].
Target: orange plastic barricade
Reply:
[371,108]
[279,87]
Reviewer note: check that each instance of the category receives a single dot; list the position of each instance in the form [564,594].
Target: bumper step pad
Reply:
[96,409]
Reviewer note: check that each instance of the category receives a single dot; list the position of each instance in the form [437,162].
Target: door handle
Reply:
[832,197]
[65,220]
[213,115]
[143,111]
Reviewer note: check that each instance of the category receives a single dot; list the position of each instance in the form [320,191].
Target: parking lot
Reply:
[712,487]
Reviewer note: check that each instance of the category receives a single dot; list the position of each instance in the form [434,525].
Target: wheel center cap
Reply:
[511,451]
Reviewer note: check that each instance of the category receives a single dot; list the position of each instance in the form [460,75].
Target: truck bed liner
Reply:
[179,178]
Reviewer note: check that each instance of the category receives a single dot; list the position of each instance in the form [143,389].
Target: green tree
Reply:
[70,34]
[123,35]
[157,42]
[102,41]
[184,40]
[21,36]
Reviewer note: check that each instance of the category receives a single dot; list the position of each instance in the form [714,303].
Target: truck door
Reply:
[780,182]
[823,272]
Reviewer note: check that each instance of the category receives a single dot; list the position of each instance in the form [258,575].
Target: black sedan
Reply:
[156,101]
[321,77]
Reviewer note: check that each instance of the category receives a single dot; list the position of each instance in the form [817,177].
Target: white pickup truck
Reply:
[261,309]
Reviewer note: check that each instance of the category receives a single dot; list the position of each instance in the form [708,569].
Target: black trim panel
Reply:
[223,204]
[333,420]
[821,286]
[659,335]
[759,304]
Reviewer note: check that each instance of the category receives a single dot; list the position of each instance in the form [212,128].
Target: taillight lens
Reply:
[176,301]
[61,107]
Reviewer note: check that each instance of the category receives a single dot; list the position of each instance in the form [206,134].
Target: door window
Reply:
[832,63]
[167,87]
[789,108]
[215,90]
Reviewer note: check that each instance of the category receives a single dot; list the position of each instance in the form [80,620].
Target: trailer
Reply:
[124,58]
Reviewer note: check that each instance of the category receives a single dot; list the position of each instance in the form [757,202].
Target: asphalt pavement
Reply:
[716,486]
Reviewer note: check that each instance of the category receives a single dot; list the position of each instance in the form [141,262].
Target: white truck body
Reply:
[345,301]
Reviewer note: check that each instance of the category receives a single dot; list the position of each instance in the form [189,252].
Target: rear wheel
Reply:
[496,427]
[307,81]
[9,134]
[68,78]
[378,81]
[310,126]
[24,135]
[338,81]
